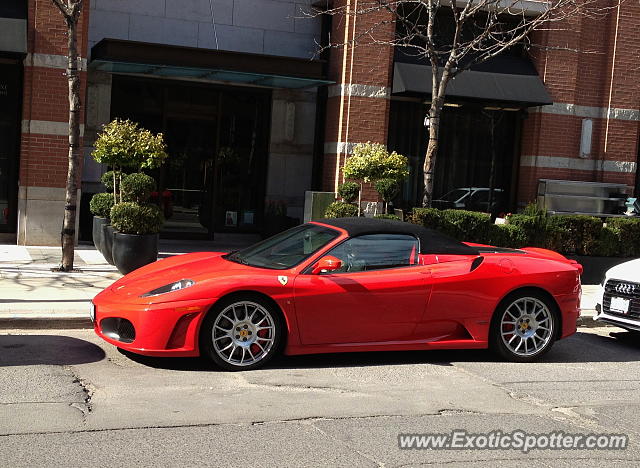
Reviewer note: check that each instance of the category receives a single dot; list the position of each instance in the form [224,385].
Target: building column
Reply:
[293,114]
[45,114]
[358,104]
[591,131]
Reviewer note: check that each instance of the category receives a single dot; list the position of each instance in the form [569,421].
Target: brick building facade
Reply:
[44,142]
[590,71]
[589,133]
[598,79]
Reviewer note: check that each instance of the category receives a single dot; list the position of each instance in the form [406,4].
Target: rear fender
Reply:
[550,254]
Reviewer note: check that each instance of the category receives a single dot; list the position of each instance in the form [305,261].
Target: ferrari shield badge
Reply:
[283,280]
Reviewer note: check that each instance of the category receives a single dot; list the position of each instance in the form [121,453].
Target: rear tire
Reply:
[524,326]
[241,333]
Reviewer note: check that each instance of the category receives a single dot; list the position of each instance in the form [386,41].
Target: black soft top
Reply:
[431,241]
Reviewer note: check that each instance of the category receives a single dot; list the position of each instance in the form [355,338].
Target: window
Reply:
[376,252]
[286,249]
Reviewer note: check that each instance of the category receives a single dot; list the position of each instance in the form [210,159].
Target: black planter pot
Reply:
[97,232]
[132,251]
[107,242]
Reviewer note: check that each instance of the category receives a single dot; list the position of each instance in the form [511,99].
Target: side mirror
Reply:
[326,264]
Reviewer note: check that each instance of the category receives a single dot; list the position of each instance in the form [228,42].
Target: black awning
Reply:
[527,90]
[160,60]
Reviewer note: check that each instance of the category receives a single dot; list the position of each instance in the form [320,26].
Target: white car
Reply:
[619,296]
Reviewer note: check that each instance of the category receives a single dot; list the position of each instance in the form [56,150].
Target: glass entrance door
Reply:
[217,140]
[241,162]
[186,181]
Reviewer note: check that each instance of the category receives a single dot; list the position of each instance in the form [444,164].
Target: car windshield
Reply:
[455,195]
[287,249]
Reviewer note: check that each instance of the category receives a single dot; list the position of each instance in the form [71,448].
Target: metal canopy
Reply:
[138,58]
[528,90]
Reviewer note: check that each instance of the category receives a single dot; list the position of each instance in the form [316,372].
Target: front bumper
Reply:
[622,322]
[166,329]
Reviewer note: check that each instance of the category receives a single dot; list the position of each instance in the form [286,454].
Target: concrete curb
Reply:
[45,323]
[50,318]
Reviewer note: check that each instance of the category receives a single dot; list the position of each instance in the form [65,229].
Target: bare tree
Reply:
[70,10]
[455,35]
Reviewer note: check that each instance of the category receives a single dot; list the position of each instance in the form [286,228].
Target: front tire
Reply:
[524,327]
[241,333]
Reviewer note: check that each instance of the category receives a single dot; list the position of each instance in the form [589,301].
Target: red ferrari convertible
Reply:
[348,284]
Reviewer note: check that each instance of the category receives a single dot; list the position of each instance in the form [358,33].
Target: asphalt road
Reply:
[67,399]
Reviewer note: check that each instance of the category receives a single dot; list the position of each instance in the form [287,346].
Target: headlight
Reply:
[171,287]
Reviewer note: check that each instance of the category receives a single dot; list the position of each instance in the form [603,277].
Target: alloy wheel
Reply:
[243,334]
[526,326]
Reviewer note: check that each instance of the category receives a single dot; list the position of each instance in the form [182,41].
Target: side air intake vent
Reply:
[476,263]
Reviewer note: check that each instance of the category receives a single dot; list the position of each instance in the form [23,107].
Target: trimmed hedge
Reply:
[627,235]
[538,231]
[506,235]
[388,216]
[567,234]
[607,243]
[578,233]
[341,209]
[428,217]
[463,225]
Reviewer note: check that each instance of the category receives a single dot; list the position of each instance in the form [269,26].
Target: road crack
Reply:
[86,407]
[291,387]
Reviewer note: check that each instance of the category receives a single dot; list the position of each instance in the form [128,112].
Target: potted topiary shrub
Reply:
[100,206]
[349,191]
[137,223]
[111,180]
[135,242]
[123,144]
[388,190]
[370,162]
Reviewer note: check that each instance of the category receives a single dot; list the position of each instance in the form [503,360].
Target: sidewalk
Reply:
[32,296]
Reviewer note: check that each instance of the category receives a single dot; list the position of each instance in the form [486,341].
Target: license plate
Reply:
[620,305]
[92,313]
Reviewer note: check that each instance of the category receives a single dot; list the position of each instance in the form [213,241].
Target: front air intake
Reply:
[118,329]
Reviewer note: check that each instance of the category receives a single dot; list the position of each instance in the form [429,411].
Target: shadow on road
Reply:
[29,350]
[616,346]
[381,358]
[580,348]
[169,363]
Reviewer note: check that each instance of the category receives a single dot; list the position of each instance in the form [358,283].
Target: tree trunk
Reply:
[432,151]
[492,171]
[70,208]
